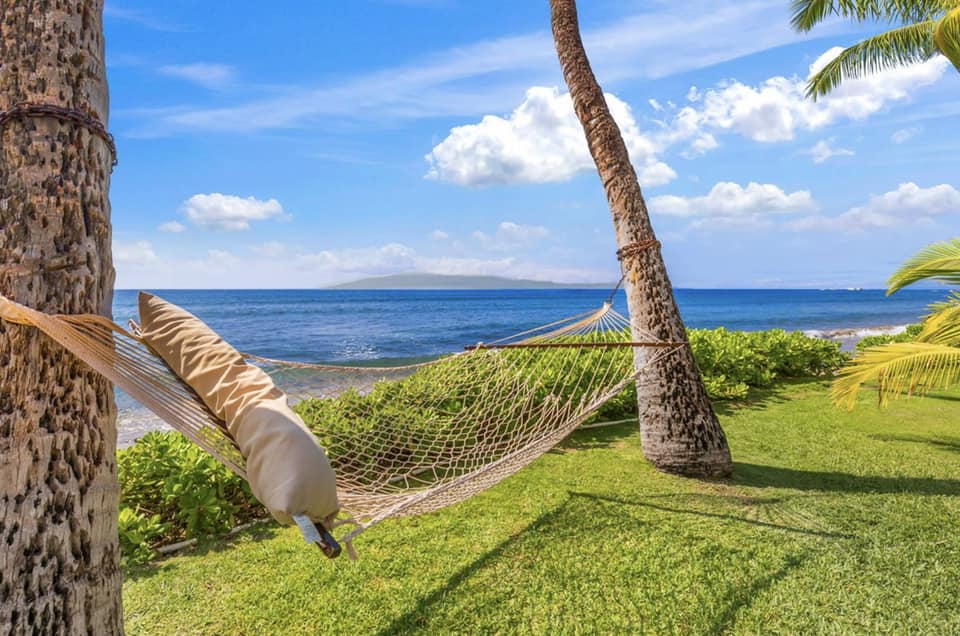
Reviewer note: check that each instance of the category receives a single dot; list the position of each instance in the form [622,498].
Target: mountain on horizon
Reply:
[419,280]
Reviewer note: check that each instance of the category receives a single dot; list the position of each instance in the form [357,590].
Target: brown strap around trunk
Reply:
[25,110]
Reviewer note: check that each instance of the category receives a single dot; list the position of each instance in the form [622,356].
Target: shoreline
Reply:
[848,337]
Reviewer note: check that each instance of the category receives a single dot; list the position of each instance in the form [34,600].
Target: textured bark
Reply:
[680,431]
[59,552]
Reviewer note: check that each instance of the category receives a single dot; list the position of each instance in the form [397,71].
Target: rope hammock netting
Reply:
[402,440]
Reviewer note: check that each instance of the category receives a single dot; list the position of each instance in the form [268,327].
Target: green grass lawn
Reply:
[835,522]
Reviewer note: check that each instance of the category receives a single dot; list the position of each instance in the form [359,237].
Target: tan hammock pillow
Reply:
[287,468]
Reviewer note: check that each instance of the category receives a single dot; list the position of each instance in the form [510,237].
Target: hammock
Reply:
[437,434]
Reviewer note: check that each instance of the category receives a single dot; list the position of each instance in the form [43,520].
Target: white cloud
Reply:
[730,204]
[143,18]
[271,249]
[512,236]
[339,265]
[517,233]
[439,235]
[777,109]
[904,134]
[136,254]
[174,227]
[541,141]
[486,76]
[208,75]
[229,212]
[390,258]
[909,204]
[655,105]
[700,145]
[822,151]
[220,257]
[276,265]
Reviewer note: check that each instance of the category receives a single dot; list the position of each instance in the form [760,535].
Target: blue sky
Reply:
[310,145]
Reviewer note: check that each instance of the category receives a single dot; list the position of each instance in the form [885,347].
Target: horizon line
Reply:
[554,287]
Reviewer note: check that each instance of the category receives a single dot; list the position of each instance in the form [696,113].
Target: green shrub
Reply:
[171,489]
[909,335]
[138,535]
[733,361]
[421,409]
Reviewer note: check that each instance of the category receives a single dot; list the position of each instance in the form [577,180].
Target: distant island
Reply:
[417,280]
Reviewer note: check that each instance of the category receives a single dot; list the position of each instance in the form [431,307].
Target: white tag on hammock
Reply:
[312,534]
[308,529]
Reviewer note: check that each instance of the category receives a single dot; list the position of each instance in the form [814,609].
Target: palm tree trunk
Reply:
[680,431]
[59,551]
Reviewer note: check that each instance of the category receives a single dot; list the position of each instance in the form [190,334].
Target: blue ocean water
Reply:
[340,326]
[395,327]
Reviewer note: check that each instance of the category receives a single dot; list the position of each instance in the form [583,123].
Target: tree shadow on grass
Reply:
[414,619]
[940,442]
[757,398]
[262,531]
[727,619]
[603,437]
[942,396]
[587,514]
[759,476]
[712,501]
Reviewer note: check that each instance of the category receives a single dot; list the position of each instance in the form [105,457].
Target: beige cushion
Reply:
[287,468]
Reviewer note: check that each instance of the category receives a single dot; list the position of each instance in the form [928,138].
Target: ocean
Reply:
[397,326]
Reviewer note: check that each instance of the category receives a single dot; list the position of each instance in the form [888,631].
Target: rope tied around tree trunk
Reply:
[33,266]
[630,249]
[634,249]
[25,110]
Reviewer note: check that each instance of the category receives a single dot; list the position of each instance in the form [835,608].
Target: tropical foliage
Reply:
[172,490]
[733,362]
[923,29]
[932,360]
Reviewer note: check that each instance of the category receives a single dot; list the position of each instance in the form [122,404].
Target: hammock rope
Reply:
[403,440]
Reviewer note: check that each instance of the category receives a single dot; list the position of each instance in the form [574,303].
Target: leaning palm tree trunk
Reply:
[59,556]
[679,429]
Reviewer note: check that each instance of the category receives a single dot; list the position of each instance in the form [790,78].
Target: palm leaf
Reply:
[940,261]
[952,300]
[902,367]
[947,37]
[809,13]
[898,47]
[943,325]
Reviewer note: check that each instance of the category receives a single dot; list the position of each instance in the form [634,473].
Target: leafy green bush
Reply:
[171,489]
[909,335]
[138,535]
[733,361]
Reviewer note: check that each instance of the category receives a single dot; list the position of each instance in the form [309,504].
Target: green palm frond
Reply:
[904,45]
[953,299]
[943,325]
[940,261]
[809,13]
[898,368]
[947,37]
